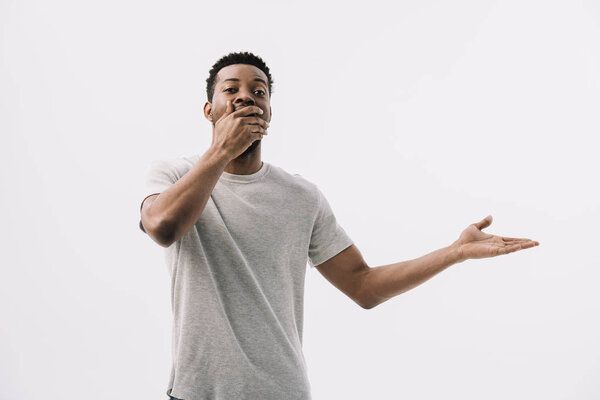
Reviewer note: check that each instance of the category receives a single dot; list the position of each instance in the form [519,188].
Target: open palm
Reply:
[473,243]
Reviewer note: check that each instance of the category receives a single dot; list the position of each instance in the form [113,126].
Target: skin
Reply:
[244,91]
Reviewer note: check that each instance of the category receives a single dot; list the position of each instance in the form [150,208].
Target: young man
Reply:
[238,234]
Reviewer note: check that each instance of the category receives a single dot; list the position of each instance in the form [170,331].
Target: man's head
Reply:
[242,78]
[236,58]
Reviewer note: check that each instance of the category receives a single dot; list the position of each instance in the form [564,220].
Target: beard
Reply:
[250,149]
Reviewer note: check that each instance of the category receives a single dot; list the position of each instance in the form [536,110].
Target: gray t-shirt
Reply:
[237,283]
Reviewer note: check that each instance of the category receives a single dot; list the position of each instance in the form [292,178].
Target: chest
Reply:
[255,218]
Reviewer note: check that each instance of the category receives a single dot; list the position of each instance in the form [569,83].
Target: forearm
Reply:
[387,281]
[175,211]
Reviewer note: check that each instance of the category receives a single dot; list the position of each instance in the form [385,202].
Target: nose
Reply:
[244,99]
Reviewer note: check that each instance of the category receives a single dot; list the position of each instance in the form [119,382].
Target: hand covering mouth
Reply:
[250,115]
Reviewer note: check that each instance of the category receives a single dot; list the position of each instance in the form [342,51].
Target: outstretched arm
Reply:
[382,283]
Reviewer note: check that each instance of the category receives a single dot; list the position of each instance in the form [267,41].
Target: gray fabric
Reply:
[237,283]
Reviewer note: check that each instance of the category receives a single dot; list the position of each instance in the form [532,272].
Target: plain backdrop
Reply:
[415,119]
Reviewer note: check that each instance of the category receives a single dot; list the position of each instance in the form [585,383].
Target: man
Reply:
[238,233]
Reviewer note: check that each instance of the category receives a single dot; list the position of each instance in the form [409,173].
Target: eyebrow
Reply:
[237,80]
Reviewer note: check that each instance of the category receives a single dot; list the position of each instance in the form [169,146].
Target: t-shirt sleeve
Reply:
[328,237]
[158,177]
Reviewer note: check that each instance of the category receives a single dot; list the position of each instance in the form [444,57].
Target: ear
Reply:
[208,111]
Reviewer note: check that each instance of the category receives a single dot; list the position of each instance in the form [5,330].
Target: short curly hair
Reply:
[236,58]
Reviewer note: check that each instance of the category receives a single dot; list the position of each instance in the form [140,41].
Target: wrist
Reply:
[456,252]
[219,155]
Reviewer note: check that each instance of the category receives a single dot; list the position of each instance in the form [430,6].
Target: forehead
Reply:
[241,72]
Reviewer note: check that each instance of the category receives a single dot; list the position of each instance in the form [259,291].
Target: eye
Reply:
[260,92]
[230,90]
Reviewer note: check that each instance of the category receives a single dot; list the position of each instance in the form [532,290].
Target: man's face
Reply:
[244,85]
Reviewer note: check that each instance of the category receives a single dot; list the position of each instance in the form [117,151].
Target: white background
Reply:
[415,120]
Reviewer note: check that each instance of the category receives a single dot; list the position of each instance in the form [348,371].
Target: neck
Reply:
[245,164]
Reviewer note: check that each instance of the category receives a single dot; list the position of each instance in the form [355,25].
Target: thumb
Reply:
[484,223]
[229,108]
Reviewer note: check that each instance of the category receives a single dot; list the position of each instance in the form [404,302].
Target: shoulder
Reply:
[294,182]
[176,167]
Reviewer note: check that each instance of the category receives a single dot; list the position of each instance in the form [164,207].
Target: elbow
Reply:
[369,296]
[365,299]
[370,303]
[164,235]
[160,231]
[164,242]
[367,305]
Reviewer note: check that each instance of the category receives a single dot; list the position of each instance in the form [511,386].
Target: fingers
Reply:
[508,240]
[249,110]
[519,246]
[247,116]
[255,121]
[484,223]
[259,130]
[515,246]
[507,249]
